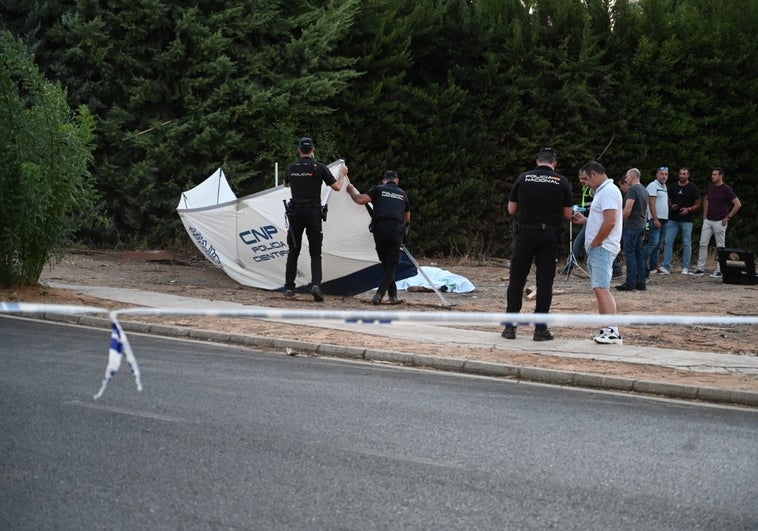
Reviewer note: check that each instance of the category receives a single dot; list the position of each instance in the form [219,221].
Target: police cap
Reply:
[305,145]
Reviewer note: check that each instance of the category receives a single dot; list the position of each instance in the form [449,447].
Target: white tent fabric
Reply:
[211,192]
[247,237]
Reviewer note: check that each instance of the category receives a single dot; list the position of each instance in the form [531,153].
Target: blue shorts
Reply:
[600,264]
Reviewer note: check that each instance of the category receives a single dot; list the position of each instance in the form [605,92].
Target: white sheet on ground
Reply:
[443,280]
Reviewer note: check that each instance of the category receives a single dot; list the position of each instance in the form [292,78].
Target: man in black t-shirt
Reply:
[540,200]
[684,201]
[304,178]
[391,215]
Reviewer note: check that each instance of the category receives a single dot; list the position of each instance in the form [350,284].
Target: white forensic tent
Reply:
[247,237]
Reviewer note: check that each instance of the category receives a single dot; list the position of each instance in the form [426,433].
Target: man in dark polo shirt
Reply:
[304,178]
[391,214]
[719,206]
[540,200]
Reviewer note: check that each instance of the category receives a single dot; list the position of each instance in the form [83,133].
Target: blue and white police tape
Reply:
[119,345]
[119,348]
[449,317]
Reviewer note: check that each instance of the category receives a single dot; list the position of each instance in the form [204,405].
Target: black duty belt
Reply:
[306,203]
[387,219]
[539,226]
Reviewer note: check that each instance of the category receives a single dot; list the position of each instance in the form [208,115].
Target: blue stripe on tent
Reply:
[366,279]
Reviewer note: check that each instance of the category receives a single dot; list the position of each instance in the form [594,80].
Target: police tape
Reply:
[120,348]
[387,317]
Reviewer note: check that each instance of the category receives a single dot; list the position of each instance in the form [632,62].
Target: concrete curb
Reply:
[497,370]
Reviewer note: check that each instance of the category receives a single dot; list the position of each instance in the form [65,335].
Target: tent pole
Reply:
[420,270]
[218,184]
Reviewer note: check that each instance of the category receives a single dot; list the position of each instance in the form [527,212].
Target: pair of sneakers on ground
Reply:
[686,271]
[606,336]
[700,273]
[318,296]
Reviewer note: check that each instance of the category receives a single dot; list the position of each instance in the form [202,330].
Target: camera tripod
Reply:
[571,261]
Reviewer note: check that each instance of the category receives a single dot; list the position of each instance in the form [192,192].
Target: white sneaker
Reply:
[653,271]
[685,271]
[664,271]
[608,337]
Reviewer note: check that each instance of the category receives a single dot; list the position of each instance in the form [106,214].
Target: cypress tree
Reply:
[455,95]
[182,88]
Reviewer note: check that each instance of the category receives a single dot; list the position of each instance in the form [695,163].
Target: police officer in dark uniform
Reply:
[390,219]
[540,200]
[304,178]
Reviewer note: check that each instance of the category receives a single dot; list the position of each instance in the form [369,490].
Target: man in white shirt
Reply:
[603,242]
[658,214]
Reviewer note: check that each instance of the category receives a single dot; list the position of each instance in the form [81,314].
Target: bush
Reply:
[45,189]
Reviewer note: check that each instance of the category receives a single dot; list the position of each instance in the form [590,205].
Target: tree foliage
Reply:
[457,96]
[45,193]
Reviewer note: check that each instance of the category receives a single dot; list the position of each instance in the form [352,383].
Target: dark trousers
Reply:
[632,243]
[654,245]
[306,219]
[541,247]
[388,237]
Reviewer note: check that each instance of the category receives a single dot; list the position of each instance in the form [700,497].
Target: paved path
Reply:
[450,335]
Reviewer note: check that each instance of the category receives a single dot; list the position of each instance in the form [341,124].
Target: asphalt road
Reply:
[227,438]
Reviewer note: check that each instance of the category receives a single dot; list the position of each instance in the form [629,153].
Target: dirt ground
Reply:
[193,276]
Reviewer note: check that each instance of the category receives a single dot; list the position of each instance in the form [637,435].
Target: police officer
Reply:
[540,200]
[390,219]
[304,178]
